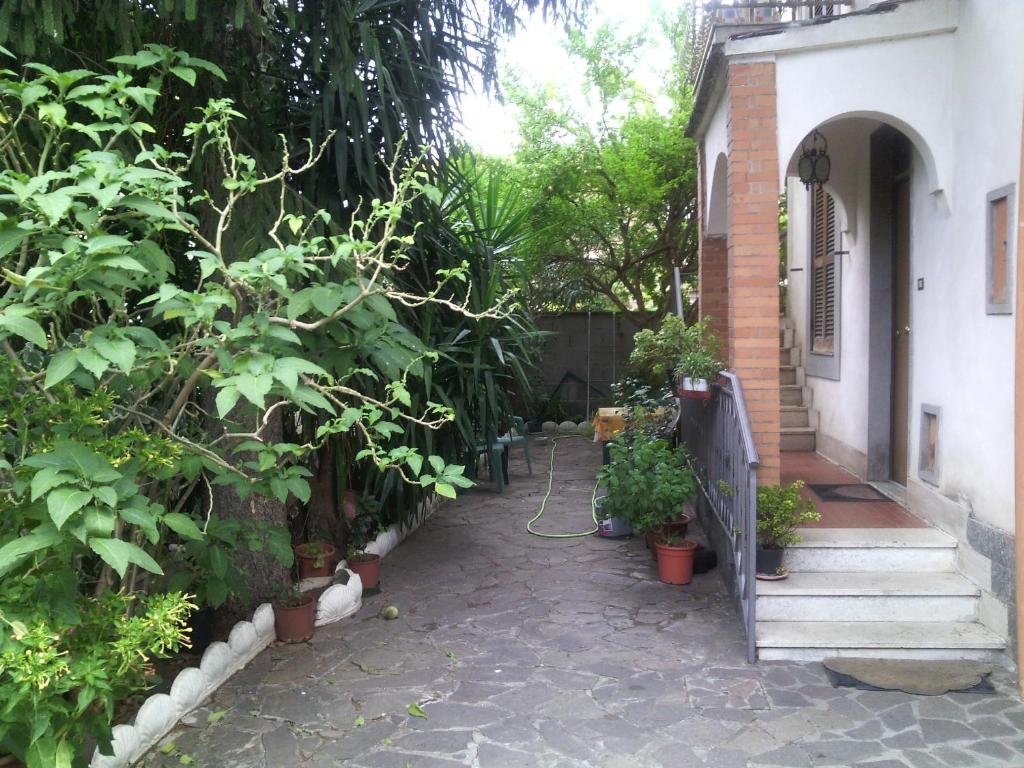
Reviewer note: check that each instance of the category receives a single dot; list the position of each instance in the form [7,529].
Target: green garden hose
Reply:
[543,504]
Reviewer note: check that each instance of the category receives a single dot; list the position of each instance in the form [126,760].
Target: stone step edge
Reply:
[873,538]
[876,634]
[860,584]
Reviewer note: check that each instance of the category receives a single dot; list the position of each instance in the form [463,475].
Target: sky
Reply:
[536,52]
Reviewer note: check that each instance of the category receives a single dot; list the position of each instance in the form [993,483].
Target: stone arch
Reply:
[921,145]
[718,199]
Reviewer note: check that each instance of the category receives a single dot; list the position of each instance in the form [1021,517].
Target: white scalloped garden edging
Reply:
[194,685]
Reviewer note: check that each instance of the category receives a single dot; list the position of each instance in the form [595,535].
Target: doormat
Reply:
[917,676]
[847,492]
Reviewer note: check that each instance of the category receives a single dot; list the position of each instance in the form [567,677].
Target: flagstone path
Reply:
[521,651]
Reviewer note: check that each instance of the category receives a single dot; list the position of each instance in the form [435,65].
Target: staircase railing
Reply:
[721,445]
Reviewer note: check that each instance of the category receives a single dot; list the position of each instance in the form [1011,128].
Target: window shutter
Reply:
[823,267]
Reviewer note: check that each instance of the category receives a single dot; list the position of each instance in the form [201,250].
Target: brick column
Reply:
[753,251]
[714,289]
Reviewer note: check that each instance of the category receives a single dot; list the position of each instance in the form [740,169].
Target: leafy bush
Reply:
[677,349]
[646,481]
[125,294]
[780,509]
[700,360]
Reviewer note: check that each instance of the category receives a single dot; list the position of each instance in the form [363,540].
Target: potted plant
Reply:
[367,565]
[698,365]
[362,530]
[316,558]
[294,615]
[780,509]
[609,525]
[647,481]
[675,559]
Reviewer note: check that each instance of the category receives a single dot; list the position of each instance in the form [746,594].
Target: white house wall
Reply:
[959,96]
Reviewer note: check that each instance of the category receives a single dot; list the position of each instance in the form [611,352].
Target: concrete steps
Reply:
[817,640]
[839,596]
[796,432]
[872,592]
[866,550]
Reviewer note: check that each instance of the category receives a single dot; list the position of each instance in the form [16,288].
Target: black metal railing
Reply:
[720,442]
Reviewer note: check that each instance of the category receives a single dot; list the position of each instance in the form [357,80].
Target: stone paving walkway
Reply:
[529,652]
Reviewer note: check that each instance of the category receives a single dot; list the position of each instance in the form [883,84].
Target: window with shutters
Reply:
[823,272]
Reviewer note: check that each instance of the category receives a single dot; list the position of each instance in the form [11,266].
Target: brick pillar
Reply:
[753,251]
[712,275]
[714,289]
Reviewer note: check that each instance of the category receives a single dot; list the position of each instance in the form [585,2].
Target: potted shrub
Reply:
[610,525]
[675,559]
[362,530]
[780,509]
[647,481]
[294,615]
[316,558]
[698,365]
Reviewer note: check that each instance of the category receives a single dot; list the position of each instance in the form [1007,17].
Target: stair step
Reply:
[816,640]
[791,394]
[825,550]
[845,596]
[787,374]
[794,416]
[798,439]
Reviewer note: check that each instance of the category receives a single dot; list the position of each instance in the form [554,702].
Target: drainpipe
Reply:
[1018,423]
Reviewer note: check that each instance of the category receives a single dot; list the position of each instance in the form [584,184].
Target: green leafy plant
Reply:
[700,357]
[127,294]
[207,563]
[655,352]
[647,481]
[781,509]
[61,675]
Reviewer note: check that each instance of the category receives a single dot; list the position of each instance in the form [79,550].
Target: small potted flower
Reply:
[294,615]
[698,366]
[780,510]
[315,558]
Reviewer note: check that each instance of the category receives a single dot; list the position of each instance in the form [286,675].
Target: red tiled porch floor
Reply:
[813,468]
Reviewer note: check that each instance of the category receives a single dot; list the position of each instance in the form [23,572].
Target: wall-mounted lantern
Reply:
[814,165]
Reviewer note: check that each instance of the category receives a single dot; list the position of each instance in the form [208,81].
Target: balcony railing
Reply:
[705,16]
[718,437]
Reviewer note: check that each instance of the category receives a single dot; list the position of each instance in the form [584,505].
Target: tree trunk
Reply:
[264,576]
[323,516]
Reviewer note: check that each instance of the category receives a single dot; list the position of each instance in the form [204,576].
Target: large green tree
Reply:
[614,183]
[382,78]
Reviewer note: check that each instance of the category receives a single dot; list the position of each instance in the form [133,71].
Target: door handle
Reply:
[905,331]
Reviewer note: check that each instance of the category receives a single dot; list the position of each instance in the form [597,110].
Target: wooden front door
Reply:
[901,332]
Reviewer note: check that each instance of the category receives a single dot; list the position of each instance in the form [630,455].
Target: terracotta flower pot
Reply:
[675,529]
[675,562]
[294,623]
[316,558]
[368,568]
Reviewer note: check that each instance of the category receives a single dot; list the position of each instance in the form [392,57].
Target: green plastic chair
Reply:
[517,436]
